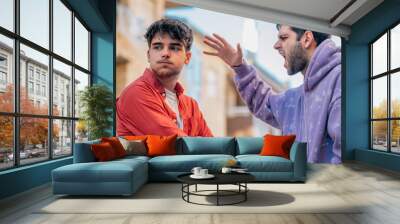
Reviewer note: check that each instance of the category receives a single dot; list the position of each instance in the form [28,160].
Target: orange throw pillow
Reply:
[134,137]
[103,151]
[116,145]
[161,145]
[277,145]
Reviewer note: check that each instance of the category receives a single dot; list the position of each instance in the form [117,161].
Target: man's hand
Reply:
[230,55]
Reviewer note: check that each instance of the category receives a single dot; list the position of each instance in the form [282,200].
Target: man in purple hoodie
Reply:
[311,111]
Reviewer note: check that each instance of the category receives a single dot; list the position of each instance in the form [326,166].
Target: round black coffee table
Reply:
[238,179]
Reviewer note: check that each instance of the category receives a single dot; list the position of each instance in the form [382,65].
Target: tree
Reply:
[33,130]
[6,122]
[97,102]
[380,127]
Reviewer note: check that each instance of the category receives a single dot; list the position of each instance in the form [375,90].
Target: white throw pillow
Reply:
[134,147]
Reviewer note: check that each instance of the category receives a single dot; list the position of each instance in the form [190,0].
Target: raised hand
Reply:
[230,55]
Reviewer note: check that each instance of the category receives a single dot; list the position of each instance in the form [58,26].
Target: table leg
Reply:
[245,193]
[188,189]
[217,194]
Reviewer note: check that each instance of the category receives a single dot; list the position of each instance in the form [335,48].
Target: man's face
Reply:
[167,56]
[291,50]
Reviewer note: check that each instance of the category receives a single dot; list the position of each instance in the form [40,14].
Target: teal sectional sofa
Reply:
[125,176]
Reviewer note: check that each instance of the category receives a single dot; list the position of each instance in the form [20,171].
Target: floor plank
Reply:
[376,189]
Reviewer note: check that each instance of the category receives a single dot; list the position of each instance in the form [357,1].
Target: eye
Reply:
[157,47]
[175,48]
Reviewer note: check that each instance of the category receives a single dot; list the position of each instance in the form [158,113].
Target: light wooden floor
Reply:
[378,188]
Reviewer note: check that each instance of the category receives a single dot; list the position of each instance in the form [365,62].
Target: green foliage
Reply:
[380,127]
[97,104]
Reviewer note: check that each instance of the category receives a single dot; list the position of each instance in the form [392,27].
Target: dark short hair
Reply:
[318,37]
[176,29]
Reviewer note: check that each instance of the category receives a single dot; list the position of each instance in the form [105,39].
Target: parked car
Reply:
[22,155]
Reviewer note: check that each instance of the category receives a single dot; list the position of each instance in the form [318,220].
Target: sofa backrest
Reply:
[206,145]
[249,145]
[83,152]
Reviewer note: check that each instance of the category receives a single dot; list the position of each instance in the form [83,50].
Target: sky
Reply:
[232,29]
[35,27]
[379,59]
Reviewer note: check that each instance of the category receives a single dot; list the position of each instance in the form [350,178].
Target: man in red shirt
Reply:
[154,103]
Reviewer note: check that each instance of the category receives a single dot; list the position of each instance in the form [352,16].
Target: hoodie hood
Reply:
[325,58]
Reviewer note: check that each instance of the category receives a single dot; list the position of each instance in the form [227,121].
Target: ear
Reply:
[148,56]
[188,56]
[308,39]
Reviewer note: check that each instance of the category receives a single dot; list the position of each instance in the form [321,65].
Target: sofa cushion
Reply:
[206,145]
[83,152]
[185,163]
[257,163]
[132,158]
[112,171]
[249,145]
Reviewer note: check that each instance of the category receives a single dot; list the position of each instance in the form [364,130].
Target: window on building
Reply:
[3,72]
[35,53]
[3,61]
[30,87]
[30,72]
[37,74]
[3,78]
[38,89]
[385,97]
[43,77]
[44,91]
[7,85]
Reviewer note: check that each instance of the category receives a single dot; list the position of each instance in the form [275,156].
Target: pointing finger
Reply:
[210,53]
[223,41]
[214,41]
[211,44]
[239,49]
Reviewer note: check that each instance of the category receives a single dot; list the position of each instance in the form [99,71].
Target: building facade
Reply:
[34,91]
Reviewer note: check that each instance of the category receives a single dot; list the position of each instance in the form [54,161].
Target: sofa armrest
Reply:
[83,152]
[298,155]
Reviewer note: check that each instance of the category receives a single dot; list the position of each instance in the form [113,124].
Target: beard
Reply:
[297,59]
[164,72]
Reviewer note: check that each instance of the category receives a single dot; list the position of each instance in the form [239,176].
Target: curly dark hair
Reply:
[176,29]
[318,37]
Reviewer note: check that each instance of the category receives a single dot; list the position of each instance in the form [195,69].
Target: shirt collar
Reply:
[150,77]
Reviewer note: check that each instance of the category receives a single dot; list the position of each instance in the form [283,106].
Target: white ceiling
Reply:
[318,15]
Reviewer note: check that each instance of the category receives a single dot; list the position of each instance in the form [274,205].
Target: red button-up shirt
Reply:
[142,110]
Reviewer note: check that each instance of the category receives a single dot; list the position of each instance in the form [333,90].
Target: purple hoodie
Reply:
[311,111]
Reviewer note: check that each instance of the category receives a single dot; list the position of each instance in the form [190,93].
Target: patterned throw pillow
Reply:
[134,147]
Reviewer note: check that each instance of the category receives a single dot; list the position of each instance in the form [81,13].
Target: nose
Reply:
[165,52]
[277,45]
